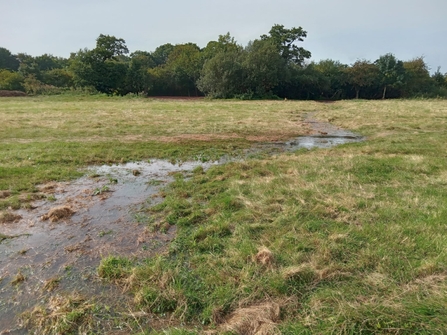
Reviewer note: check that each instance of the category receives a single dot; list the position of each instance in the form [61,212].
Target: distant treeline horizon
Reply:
[274,66]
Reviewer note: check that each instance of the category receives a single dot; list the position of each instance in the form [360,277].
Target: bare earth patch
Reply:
[5,93]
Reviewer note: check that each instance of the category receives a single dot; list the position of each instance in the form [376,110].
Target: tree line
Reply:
[272,66]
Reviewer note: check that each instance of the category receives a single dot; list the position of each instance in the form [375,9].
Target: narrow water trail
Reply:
[63,240]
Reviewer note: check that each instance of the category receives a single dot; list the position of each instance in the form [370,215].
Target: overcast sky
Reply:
[344,30]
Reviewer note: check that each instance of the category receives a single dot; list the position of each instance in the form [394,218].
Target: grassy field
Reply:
[50,138]
[349,240]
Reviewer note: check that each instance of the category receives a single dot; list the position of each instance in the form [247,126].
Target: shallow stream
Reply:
[106,218]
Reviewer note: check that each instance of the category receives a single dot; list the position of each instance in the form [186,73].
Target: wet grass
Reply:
[349,240]
[51,138]
[356,234]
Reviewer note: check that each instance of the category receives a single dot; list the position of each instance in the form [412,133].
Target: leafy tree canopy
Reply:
[8,61]
[361,75]
[161,53]
[439,78]
[104,67]
[417,77]
[108,47]
[285,39]
[392,72]
[10,80]
[225,43]
[223,76]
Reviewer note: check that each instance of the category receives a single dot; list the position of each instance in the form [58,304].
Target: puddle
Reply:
[323,135]
[106,220]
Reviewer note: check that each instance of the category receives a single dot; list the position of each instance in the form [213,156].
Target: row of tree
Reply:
[272,66]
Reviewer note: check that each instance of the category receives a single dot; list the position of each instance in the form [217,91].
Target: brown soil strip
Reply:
[176,98]
[5,93]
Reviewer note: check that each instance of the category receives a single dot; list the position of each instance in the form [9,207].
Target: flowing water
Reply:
[105,218]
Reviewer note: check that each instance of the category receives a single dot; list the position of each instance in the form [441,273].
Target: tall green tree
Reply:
[392,72]
[47,62]
[223,75]
[104,68]
[265,68]
[28,66]
[184,64]
[304,82]
[8,61]
[10,80]
[285,42]
[138,76]
[161,54]
[58,77]
[417,78]
[109,47]
[333,80]
[439,78]
[224,43]
[361,75]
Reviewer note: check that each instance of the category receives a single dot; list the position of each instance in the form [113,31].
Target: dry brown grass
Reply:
[58,213]
[9,217]
[254,320]
[4,194]
[49,187]
[19,278]
[51,284]
[264,257]
[61,315]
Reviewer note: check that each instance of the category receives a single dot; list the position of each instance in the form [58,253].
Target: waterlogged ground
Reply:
[101,215]
[107,221]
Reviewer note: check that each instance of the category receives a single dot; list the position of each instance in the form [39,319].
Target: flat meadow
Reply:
[346,240]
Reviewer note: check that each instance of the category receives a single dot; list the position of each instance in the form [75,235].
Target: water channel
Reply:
[105,218]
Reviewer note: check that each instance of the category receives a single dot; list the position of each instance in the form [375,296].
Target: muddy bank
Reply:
[64,235]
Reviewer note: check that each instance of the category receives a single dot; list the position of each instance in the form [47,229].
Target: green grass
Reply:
[52,138]
[363,250]
[356,233]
